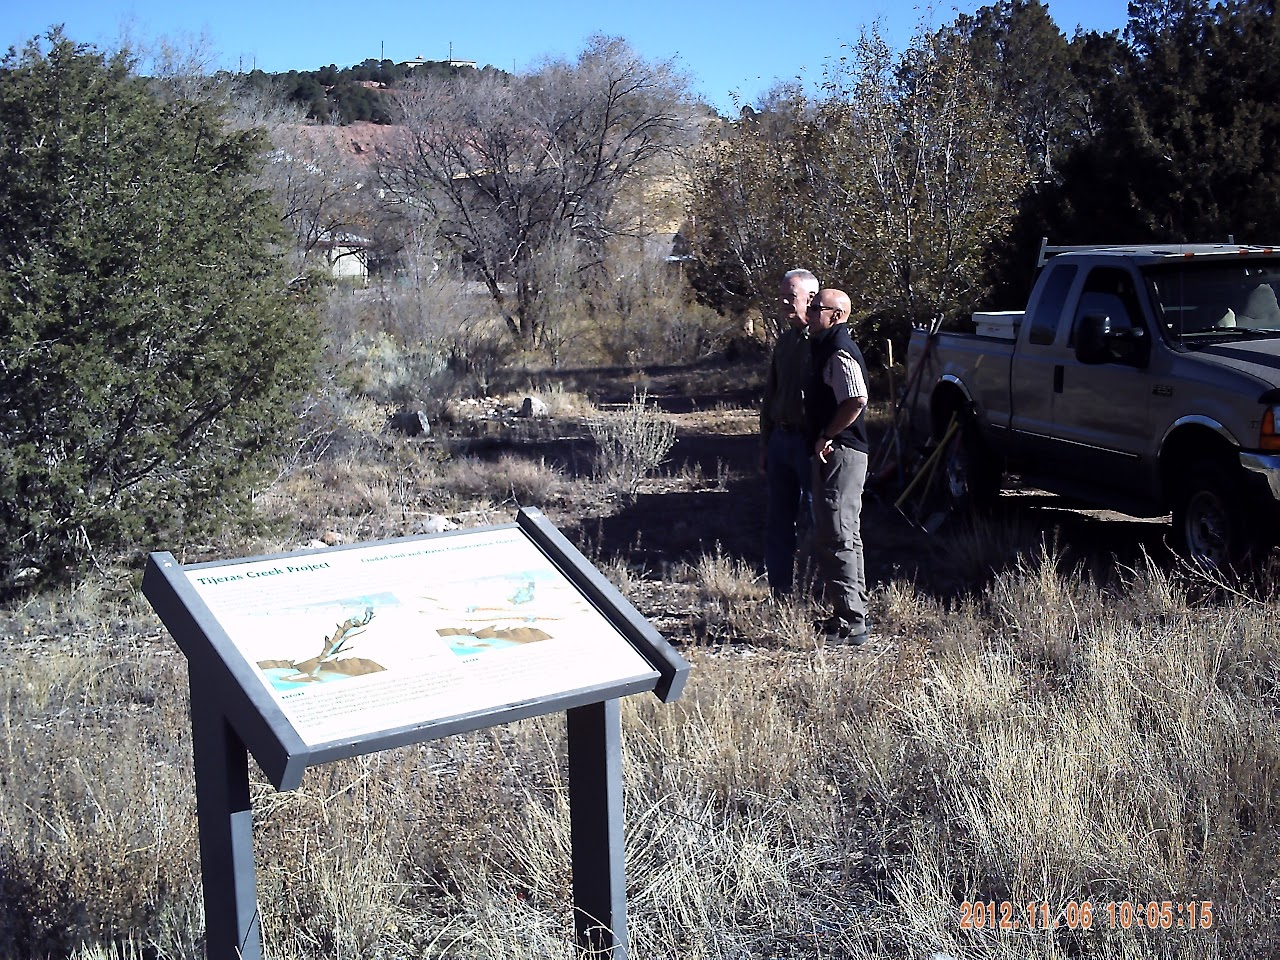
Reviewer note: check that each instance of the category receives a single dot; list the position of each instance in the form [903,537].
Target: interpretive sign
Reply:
[308,657]
[372,639]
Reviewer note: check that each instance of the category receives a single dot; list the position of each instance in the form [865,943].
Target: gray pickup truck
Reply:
[1142,379]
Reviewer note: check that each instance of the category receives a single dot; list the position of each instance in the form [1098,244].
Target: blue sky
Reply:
[725,46]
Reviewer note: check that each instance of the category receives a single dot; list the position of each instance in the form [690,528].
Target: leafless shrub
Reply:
[621,574]
[565,404]
[416,342]
[644,316]
[631,443]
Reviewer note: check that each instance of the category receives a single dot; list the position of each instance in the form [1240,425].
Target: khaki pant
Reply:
[837,531]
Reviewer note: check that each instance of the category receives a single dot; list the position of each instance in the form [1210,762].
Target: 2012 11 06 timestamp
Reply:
[1001,915]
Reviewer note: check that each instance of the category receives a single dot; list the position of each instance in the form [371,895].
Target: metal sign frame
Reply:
[233,716]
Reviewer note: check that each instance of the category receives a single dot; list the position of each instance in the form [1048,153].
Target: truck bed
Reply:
[981,362]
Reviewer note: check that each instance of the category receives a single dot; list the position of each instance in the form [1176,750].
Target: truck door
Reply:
[1101,412]
[1035,371]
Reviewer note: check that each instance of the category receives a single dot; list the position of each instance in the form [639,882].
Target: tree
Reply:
[149,351]
[517,168]
[1188,124]
[315,185]
[747,207]
[892,186]
[1029,61]
[924,175]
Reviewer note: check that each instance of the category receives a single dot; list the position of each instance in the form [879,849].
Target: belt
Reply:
[790,427]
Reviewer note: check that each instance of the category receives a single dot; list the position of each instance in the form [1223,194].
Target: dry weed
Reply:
[514,479]
[631,443]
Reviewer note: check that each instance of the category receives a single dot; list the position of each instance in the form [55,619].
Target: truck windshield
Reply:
[1212,301]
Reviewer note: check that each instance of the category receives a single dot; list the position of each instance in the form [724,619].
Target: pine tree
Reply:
[1188,130]
[149,350]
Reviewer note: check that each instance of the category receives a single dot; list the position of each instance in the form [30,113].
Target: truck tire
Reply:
[971,477]
[1209,524]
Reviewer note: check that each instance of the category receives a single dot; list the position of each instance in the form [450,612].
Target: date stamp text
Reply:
[1087,914]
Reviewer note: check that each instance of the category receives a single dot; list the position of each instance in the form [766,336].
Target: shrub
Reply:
[632,443]
[644,316]
[150,350]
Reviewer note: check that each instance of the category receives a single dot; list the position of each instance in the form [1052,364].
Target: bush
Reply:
[631,444]
[640,315]
[644,316]
[150,350]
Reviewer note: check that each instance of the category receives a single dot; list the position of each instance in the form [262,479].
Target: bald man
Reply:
[835,401]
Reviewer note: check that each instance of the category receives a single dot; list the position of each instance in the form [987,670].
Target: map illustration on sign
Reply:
[370,638]
[503,614]
[287,674]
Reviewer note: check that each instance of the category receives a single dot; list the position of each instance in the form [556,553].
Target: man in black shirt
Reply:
[784,450]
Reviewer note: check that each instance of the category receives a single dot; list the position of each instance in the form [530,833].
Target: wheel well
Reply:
[947,399]
[1190,445]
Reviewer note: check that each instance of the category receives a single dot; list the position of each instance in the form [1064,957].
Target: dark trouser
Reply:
[789,509]
[837,531]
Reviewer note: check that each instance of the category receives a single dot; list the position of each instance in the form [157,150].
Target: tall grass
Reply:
[1048,741]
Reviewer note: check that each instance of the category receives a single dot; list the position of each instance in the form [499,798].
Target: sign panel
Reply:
[304,658]
[356,641]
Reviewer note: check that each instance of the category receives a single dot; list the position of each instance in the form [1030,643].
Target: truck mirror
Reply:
[1098,342]
[1129,345]
[1091,338]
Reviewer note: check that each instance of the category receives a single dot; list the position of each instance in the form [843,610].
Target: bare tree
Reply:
[318,186]
[748,205]
[517,167]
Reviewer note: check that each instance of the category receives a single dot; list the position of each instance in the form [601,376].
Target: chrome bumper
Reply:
[1267,466]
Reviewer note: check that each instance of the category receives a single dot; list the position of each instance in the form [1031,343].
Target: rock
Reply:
[27,576]
[412,423]
[434,524]
[533,407]
[331,538]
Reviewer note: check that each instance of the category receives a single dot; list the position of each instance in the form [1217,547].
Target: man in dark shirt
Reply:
[784,451]
[835,398]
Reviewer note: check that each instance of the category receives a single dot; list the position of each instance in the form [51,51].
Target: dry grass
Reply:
[1044,739]
[1048,742]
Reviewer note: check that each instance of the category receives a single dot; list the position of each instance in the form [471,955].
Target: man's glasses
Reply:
[818,308]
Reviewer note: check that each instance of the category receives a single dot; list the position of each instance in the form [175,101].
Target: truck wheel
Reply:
[1209,527]
[970,476]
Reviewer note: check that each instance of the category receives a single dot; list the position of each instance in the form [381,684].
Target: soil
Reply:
[712,497]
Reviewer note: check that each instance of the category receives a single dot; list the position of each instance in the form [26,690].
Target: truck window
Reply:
[1217,300]
[1110,292]
[1044,323]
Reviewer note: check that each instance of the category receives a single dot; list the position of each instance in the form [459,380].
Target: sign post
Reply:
[304,658]
[595,828]
[225,827]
